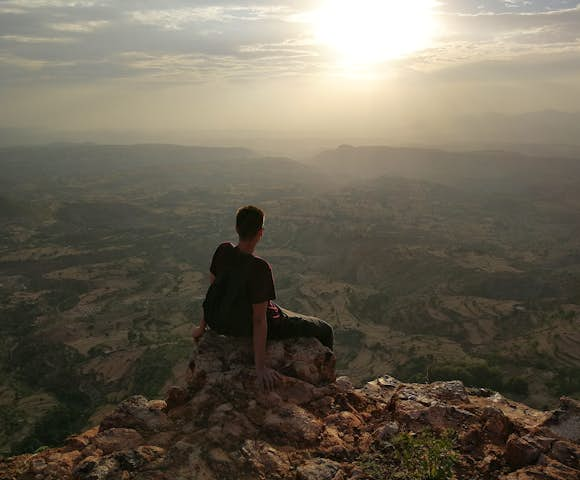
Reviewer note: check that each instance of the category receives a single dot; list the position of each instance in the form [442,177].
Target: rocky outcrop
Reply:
[219,357]
[312,427]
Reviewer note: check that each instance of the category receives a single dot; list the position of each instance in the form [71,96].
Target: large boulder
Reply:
[565,421]
[222,357]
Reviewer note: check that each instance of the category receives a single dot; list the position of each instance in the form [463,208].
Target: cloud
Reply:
[179,18]
[23,5]
[502,36]
[30,64]
[174,39]
[33,39]
[79,27]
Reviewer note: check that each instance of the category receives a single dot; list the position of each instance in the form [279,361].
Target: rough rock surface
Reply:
[312,427]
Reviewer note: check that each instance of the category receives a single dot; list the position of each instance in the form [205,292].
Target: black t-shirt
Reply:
[260,279]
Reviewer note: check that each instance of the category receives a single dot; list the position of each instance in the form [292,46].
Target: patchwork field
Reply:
[426,273]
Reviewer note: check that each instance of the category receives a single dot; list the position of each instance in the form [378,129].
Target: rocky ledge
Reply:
[312,427]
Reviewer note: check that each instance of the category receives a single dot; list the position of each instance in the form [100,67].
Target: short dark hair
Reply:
[248,221]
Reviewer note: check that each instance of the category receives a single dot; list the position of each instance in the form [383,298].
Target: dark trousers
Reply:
[290,325]
[287,325]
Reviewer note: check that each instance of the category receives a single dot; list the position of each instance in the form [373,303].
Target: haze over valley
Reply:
[430,265]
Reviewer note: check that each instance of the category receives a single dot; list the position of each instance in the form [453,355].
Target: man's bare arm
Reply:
[266,377]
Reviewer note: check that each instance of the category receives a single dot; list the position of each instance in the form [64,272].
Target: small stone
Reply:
[319,469]
[344,384]
[387,431]
[218,455]
[38,465]
[224,407]
[176,397]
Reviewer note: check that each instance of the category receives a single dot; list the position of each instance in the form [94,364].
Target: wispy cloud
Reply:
[80,27]
[23,5]
[33,39]
[30,64]
[179,18]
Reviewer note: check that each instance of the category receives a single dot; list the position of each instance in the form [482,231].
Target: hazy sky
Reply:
[360,66]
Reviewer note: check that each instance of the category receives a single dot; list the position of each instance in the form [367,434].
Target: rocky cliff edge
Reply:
[312,427]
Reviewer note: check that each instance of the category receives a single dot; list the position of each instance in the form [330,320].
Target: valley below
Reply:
[429,265]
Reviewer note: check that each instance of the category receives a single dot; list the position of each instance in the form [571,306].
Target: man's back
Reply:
[259,282]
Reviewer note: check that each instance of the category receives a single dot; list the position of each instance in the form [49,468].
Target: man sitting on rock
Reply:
[239,299]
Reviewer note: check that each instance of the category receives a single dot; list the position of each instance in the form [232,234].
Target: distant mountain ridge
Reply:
[479,169]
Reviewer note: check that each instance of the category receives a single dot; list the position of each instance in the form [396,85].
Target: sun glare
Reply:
[364,32]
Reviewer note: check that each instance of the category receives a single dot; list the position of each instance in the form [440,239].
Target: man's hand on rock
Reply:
[267,378]
[197,333]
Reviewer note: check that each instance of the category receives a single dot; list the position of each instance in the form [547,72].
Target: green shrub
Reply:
[421,456]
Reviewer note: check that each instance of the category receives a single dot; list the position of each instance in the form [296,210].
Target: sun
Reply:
[373,31]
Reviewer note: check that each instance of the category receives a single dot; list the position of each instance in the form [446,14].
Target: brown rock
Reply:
[265,460]
[496,425]
[117,439]
[229,426]
[566,453]
[291,423]
[95,468]
[180,452]
[79,442]
[331,442]
[176,397]
[344,384]
[296,391]
[346,420]
[137,413]
[144,456]
[320,469]
[386,431]
[303,358]
[566,420]
[520,451]
[471,441]
[543,443]
[38,465]
[552,471]
[450,391]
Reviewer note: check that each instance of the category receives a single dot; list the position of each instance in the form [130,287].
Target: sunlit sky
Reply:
[317,67]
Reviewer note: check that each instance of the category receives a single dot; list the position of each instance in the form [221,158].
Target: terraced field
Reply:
[426,273]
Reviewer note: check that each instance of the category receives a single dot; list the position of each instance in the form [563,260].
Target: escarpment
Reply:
[313,426]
